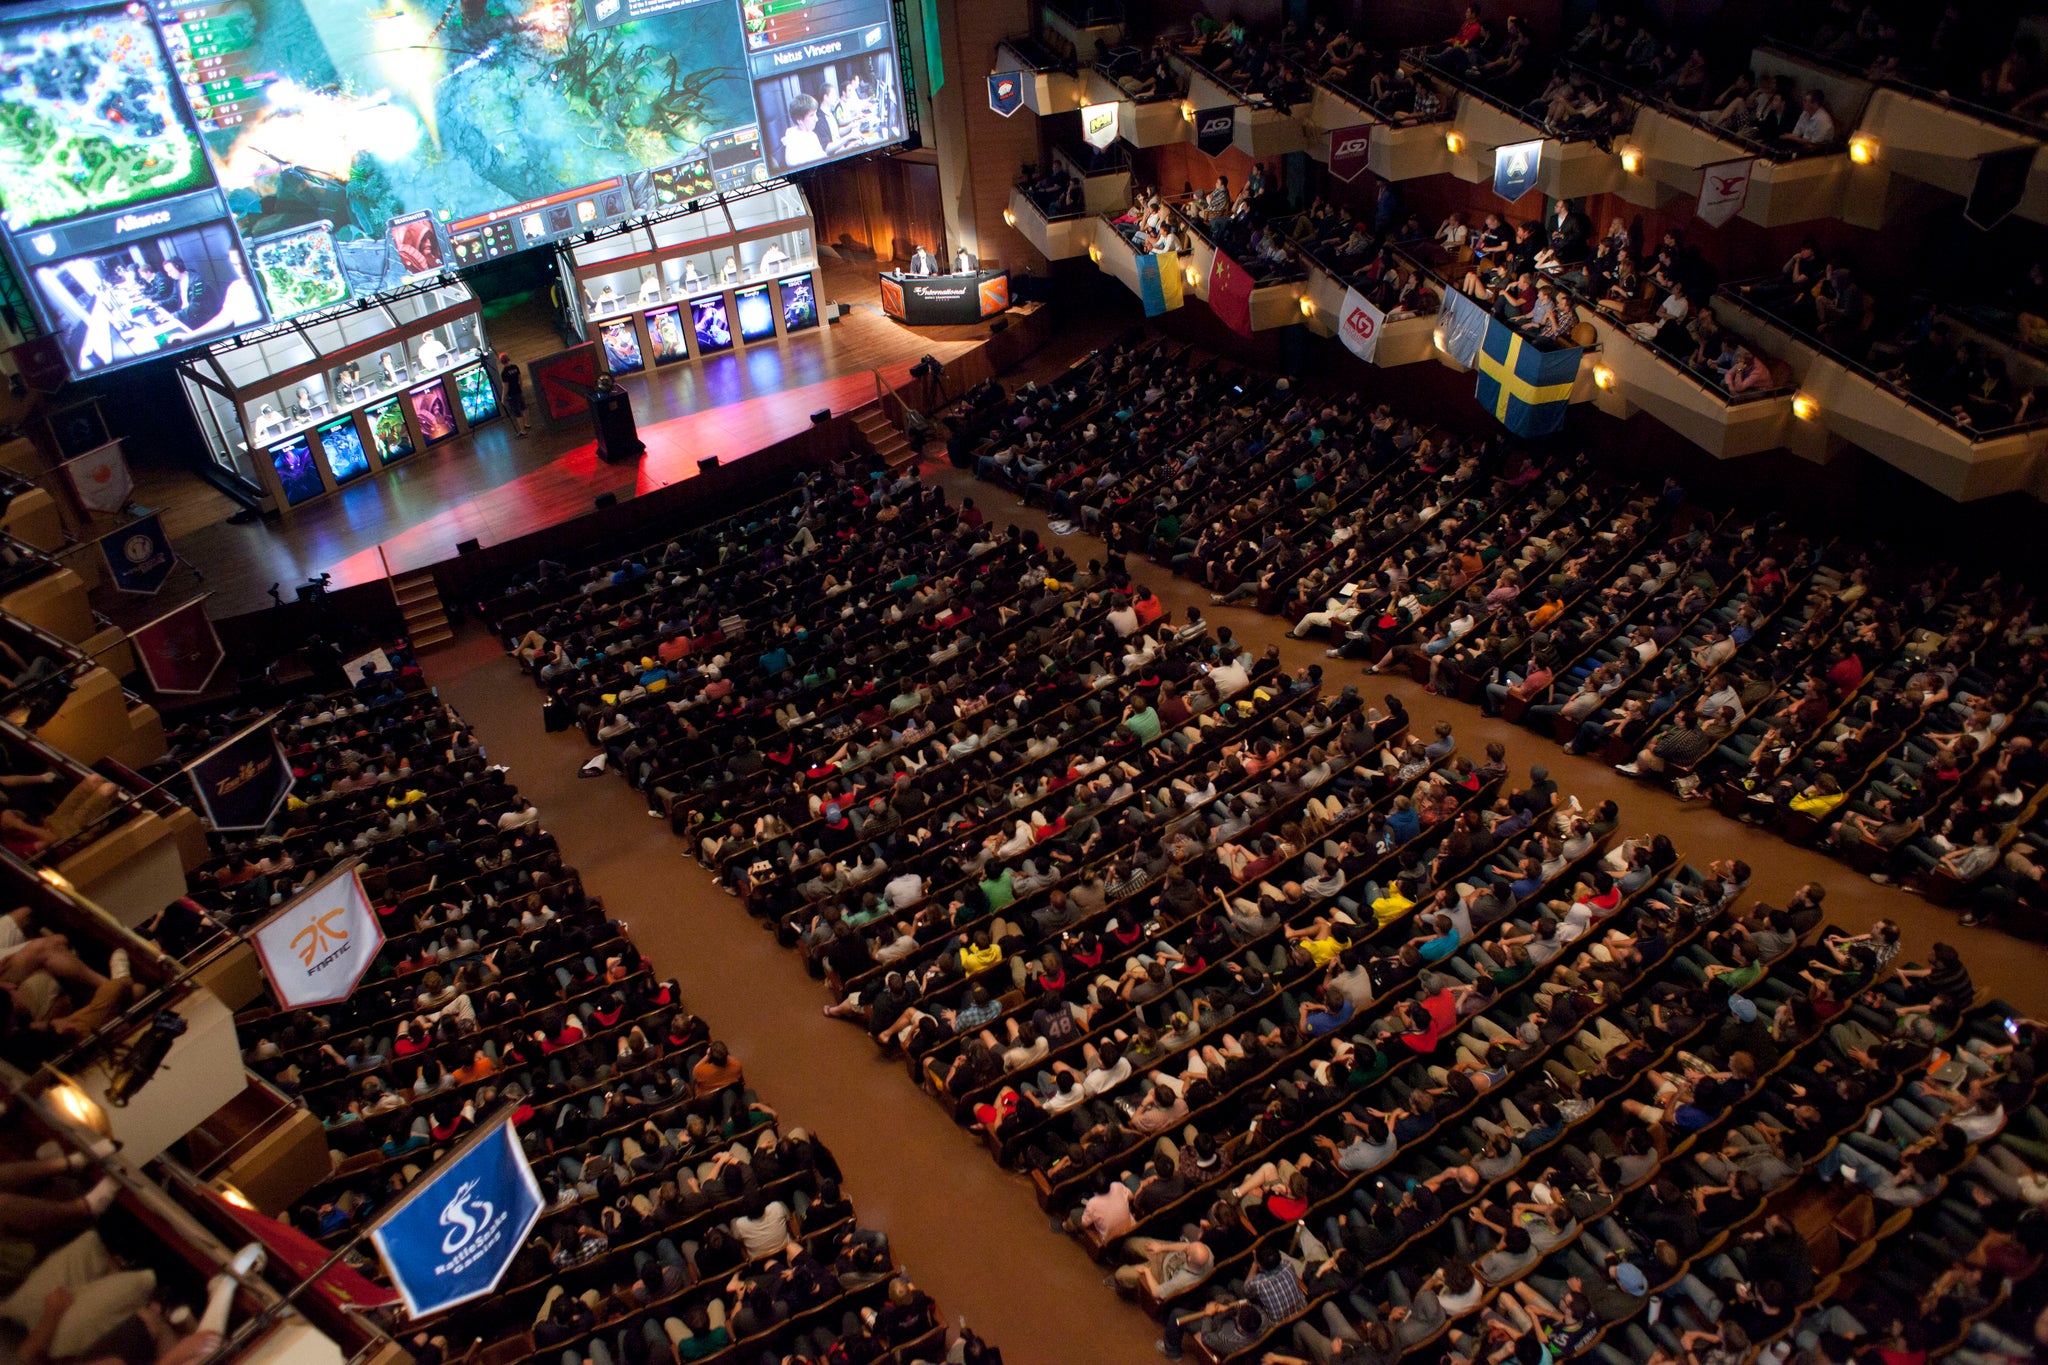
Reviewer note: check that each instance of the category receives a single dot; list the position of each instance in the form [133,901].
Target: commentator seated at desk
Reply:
[921,262]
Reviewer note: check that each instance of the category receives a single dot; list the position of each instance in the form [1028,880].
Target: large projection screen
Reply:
[173,172]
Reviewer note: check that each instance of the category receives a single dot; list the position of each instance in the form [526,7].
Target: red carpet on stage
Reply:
[567,488]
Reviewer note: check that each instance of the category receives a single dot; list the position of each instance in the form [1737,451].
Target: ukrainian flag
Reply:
[1159,283]
[1528,389]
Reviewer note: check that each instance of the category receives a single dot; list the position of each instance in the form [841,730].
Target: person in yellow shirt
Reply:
[1396,903]
[1319,941]
[978,953]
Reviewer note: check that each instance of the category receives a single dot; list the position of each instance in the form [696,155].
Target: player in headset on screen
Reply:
[800,144]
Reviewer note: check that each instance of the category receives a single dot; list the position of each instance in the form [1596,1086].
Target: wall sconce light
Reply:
[234,1196]
[1308,307]
[1010,217]
[1455,141]
[1187,112]
[1095,254]
[1632,160]
[1603,377]
[1804,407]
[1438,337]
[1862,149]
[74,1104]
[1191,275]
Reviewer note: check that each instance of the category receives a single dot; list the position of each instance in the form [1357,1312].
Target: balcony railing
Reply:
[1747,295]
[1383,110]
[2013,123]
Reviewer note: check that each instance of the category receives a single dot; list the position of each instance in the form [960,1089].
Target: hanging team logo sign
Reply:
[2000,184]
[100,479]
[1724,189]
[241,783]
[1098,124]
[317,948]
[179,650]
[1360,325]
[1006,92]
[1214,129]
[455,1234]
[138,556]
[1350,148]
[1515,168]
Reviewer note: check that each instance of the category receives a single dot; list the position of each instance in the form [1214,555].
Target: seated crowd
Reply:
[684,1221]
[1797,684]
[1336,1042]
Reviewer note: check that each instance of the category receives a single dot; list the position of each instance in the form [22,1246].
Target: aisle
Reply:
[969,1233]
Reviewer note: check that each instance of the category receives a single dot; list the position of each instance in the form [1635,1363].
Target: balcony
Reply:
[1853,402]
[27,512]
[1157,120]
[1105,176]
[1276,299]
[1406,337]
[1057,238]
[1630,375]
[1402,145]
[1076,26]
[1263,128]
[72,701]
[1051,84]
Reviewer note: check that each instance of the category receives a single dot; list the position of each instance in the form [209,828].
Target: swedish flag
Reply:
[1527,389]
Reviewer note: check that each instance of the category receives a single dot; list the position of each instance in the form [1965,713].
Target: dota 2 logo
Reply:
[320,936]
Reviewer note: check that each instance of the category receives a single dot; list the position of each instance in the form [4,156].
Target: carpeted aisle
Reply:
[969,1233]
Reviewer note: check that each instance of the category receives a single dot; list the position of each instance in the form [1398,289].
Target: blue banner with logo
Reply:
[1515,168]
[458,1230]
[1006,92]
[1530,391]
[1461,326]
[139,557]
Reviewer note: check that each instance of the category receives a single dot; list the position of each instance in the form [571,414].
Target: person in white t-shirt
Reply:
[800,144]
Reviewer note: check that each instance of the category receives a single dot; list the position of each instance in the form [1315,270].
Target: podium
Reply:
[934,300]
[618,435]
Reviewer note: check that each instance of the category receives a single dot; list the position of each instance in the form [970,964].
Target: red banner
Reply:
[179,652]
[1230,294]
[344,1286]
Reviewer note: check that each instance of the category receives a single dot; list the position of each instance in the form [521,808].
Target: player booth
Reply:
[310,406]
[726,270]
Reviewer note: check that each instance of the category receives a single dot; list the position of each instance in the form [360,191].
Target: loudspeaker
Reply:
[998,327]
[821,416]
[708,462]
[468,547]
[605,500]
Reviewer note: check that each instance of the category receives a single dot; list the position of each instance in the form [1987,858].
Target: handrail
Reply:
[2012,123]
[1419,58]
[1156,97]
[1736,294]
[1360,100]
[1194,225]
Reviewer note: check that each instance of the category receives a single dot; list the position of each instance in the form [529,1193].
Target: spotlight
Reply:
[135,1067]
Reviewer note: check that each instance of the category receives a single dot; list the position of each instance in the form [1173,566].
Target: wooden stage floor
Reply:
[494,485]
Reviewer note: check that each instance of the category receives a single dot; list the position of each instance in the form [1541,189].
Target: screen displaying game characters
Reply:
[799,303]
[342,444]
[388,429]
[713,328]
[430,410]
[298,270]
[755,312]
[419,135]
[621,346]
[665,335]
[293,461]
[473,390]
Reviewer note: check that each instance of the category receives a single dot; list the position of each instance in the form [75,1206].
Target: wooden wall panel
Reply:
[880,206]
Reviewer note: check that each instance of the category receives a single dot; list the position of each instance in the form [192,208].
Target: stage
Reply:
[494,485]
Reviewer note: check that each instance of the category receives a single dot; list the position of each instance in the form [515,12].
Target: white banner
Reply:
[1098,124]
[100,479]
[1724,189]
[1359,324]
[317,948]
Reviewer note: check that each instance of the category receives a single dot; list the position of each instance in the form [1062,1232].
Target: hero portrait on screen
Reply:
[310,151]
